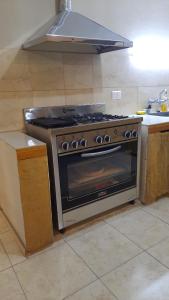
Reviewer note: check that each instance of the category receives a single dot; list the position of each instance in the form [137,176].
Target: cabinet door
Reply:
[157,183]
[165,162]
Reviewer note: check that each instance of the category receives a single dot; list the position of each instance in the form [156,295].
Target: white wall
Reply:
[28,79]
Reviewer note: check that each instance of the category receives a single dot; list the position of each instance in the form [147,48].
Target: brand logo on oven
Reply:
[101,194]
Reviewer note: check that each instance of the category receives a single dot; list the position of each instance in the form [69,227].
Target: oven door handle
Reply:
[88,155]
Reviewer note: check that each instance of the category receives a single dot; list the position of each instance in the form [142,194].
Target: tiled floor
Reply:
[123,255]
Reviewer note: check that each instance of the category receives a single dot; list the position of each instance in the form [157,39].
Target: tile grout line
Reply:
[80,289]
[99,223]
[151,214]
[81,258]
[125,236]
[5,251]
[6,269]
[12,268]
[134,241]
[86,230]
[141,251]
[119,266]
[20,283]
[154,245]
[108,289]
[157,260]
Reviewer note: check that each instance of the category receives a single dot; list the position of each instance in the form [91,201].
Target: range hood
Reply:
[71,32]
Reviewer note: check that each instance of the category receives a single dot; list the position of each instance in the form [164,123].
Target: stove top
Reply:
[74,120]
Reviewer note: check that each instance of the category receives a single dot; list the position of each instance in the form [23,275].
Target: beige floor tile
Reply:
[4,225]
[4,260]
[104,249]
[95,291]
[141,227]
[79,230]
[9,286]
[142,278]
[12,247]
[159,209]
[57,243]
[161,252]
[55,274]
[84,227]
[121,212]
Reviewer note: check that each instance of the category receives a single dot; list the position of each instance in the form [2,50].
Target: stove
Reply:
[56,122]
[93,157]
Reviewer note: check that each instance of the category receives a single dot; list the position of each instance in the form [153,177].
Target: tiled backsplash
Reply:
[41,79]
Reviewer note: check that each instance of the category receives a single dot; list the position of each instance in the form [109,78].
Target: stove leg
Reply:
[132,202]
[62,231]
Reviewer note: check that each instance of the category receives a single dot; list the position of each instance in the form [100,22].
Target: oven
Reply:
[94,163]
[87,176]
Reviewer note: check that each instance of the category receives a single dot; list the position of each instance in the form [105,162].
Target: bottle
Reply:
[163,99]
[164,106]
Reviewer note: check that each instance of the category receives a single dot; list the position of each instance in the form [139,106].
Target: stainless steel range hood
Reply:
[69,31]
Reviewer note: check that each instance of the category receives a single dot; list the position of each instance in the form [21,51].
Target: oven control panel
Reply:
[94,138]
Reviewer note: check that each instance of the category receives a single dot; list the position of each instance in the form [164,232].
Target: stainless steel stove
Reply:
[93,157]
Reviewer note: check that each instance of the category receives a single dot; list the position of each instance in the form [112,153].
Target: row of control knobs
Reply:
[131,134]
[107,139]
[74,144]
[99,140]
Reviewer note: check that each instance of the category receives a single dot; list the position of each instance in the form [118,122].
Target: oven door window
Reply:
[92,175]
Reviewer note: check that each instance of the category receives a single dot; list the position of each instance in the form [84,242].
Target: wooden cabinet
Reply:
[154,164]
[24,190]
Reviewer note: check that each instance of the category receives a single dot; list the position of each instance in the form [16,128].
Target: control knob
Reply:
[127,134]
[83,143]
[99,139]
[107,138]
[74,144]
[65,146]
[134,134]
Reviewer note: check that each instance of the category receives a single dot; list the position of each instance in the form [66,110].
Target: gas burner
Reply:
[89,118]
[115,117]
[96,117]
[53,122]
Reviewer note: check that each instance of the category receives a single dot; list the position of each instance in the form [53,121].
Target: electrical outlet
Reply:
[116,95]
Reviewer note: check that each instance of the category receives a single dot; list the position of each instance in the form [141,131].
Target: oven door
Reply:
[88,176]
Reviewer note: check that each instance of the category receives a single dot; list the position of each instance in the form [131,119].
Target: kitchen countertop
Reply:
[149,120]
[19,140]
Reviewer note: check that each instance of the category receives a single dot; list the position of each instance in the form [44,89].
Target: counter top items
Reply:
[24,189]
[94,160]
[159,104]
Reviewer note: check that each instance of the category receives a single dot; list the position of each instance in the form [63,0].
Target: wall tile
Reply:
[84,96]
[46,71]
[49,98]
[127,105]
[14,74]
[11,109]
[116,69]
[78,71]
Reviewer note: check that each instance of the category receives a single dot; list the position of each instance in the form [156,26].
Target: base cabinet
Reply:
[154,166]
[25,191]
